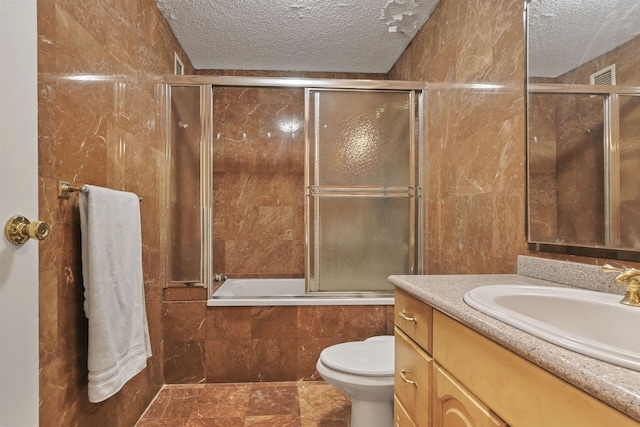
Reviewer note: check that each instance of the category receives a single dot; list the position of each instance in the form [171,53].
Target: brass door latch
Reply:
[19,229]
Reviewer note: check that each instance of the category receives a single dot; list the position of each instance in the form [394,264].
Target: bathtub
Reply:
[270,292]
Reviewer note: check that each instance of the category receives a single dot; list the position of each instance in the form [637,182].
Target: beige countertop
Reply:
[616,386]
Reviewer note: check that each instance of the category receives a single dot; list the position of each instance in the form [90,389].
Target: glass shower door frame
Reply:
[205,180]
[314,192]
[613,185]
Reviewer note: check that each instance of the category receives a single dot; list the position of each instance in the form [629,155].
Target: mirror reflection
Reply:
[570,39]
[584,123]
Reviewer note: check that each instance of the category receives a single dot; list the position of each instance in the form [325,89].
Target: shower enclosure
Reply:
[294,178]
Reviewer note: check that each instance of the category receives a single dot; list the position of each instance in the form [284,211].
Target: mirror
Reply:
[583,127]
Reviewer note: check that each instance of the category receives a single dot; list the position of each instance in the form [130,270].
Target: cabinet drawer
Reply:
[414,317]
[400,416]
[412,378]
[453,405]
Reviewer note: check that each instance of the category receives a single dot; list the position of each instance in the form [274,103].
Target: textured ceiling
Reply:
[296,35]
[564,34]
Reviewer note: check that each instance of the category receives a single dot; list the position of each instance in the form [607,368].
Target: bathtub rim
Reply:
[311,298]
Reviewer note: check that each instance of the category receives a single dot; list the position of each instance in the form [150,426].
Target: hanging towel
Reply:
[113,289]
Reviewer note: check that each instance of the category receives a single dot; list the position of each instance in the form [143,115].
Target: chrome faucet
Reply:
[630,277]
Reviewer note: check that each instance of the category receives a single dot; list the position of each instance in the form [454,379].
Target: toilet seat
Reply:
[385,338]
[373,358]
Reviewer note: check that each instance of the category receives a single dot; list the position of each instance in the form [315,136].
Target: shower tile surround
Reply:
[99,114]
[258,176]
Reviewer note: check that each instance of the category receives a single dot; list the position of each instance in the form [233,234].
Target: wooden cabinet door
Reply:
[400,416]
[454,406]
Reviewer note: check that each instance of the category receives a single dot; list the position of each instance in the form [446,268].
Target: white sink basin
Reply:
[587,322]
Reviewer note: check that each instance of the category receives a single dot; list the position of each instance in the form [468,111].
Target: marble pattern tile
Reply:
[475,146]
[273,359]
[241,344]
[258,183]
[99,65]
[322,406]
[228,361]
[285,404]
[274,399]
[227,400]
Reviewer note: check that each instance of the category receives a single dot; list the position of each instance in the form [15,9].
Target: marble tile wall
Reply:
[258,176]
[475,134]
[566,176]
[255,344]
[99,64]
[580,169]
[543,194]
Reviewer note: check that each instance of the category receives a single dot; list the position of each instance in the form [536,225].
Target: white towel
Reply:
[113,289]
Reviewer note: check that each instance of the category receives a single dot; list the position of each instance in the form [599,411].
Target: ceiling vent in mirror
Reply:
[606,76]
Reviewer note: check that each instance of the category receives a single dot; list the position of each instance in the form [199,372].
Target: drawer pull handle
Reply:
[403,375]
[403,314]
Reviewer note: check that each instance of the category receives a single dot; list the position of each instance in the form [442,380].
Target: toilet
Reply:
[364,371]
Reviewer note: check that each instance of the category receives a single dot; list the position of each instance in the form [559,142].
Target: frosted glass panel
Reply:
[361,178]
[629,177]
[361,242]
[363,138]
[184,182]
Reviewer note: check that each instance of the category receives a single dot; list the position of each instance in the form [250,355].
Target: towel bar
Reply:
[65,189]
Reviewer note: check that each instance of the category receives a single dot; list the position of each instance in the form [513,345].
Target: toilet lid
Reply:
[367,358]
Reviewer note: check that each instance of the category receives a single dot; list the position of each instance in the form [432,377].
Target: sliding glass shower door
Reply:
[361,174]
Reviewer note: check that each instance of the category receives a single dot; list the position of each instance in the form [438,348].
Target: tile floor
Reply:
[279,404]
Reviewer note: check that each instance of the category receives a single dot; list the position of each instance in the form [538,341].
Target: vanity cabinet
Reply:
[448,375]
[425,394]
